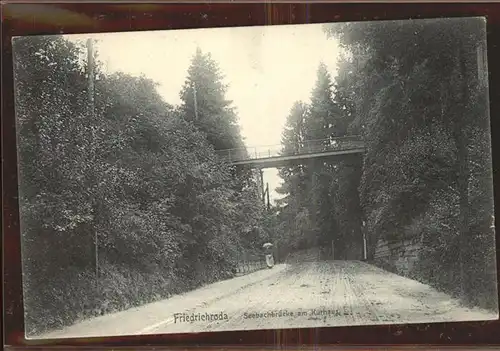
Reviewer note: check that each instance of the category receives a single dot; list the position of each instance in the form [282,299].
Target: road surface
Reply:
[307,294]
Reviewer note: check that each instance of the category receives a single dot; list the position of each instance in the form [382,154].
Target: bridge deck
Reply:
[275,156]
[280,161]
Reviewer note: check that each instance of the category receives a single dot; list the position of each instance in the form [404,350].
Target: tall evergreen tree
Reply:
[321,125]
[205,105]
[324,112]
[348,211]
[295,180]
[310,189]
[292,140]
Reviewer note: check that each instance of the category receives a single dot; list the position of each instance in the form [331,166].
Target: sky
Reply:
[267,69]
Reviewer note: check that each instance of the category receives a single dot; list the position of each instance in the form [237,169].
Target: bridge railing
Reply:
[306,147]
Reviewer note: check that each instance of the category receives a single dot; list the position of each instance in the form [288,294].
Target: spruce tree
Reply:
[321,121]
[295,180]
[205,105]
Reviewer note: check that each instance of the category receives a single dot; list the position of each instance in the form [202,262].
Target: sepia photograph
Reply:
[250,178]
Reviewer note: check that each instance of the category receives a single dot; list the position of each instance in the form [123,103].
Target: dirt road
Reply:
[312,294]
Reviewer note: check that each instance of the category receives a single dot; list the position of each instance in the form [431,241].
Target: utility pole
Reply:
[195,101]
[262,186]
[364,241]
[90,67]
[268,201]
[90,72]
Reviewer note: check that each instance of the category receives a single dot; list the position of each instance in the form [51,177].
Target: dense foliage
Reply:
[128,204]
[416,92]
[419,95]
[320,204]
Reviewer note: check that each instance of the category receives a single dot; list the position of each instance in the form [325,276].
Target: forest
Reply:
[417,93]
[141,178]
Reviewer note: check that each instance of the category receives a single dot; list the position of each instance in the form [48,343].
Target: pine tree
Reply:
[348,212]
[295,180]
[321,125]
[293,139]
[205,105]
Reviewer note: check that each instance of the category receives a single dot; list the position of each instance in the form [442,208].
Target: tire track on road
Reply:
[381,314]
[259,297]
[212,301]
[286,293]
[348,297]
[343,293]
[365,305]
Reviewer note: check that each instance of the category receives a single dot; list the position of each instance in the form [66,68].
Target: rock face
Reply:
[399,256]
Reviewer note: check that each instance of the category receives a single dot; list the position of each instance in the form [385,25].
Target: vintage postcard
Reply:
[249,178]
